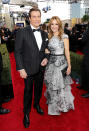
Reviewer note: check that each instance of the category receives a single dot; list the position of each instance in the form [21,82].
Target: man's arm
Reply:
[46,47]
[46,56]
[19,50]
[19,54]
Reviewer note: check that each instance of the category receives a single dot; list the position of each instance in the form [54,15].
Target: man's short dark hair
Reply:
[66,25]
[34,9]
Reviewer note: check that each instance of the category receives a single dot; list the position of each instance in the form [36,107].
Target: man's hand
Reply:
[44,62]
[23,73]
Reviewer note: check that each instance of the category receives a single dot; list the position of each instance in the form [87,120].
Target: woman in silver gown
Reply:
[58,91]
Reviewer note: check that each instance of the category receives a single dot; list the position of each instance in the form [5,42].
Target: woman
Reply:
[58,93]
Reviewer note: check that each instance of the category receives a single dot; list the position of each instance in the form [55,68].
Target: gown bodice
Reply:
[56,46]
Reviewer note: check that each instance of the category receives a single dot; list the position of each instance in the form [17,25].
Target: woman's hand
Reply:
[47,51]
[68,70]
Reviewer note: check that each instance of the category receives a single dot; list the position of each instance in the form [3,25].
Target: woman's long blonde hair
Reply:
[60,27]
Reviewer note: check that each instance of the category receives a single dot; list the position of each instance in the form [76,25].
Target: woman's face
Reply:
[54,26]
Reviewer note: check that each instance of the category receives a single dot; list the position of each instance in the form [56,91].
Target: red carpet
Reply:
[77,120]
[79,52]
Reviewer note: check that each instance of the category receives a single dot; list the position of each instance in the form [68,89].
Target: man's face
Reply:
[35,19]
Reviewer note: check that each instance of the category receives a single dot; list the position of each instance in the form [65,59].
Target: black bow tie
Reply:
[36,30]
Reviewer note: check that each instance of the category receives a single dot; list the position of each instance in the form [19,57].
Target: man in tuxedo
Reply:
[30,58]
[2,110]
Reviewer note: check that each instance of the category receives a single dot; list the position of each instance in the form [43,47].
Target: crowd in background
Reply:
[74,33]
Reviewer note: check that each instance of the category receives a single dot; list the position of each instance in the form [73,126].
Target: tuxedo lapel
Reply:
[43,38]
[42,35]
[32,37]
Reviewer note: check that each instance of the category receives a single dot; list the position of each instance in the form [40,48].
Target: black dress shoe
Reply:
[6,99]
[85,95]
[38,109]
[26,121]
[4,111]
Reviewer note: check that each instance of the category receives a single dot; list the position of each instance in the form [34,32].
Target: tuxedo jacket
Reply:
[27,54]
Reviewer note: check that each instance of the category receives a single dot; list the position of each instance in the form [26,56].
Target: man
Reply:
[30,58]
[85,65]
[2,110]
[16,28]
[66,30]
[7,32]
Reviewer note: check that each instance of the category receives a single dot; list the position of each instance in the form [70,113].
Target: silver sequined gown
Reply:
[58,89]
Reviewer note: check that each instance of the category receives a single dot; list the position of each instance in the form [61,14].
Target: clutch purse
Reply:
[64,71]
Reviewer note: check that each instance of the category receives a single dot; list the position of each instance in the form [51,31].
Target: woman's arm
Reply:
[67,54]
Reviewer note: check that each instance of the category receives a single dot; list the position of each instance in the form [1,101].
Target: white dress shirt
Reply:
[38,37]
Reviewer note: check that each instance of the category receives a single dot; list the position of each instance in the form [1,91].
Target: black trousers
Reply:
[85,74]
[35,81]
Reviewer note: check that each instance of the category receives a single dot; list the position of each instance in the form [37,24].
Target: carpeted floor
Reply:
[77,120]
